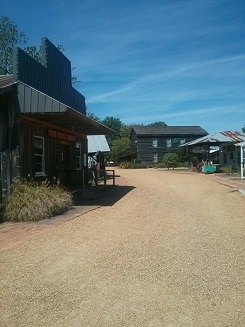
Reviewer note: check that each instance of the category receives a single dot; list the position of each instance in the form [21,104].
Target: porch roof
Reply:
[218,138]
[38,106]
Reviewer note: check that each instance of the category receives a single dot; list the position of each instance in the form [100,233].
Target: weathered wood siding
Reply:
[9,146]
[146,151]
[68,175]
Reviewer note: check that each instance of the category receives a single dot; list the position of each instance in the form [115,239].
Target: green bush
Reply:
[32,201]
[170,157]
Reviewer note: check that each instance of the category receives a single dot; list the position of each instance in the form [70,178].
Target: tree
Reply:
[10,36]
[125,131]
[115,124]
[243,129]
[157,124]
[120,147]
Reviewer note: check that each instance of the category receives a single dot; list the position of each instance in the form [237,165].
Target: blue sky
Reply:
[177,61]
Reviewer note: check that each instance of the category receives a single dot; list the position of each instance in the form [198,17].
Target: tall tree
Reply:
[10,36]
[243,129]
[120,147]
[115,124]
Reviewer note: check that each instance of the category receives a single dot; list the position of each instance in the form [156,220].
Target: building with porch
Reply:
[229,154]
[150,143]
[43,123]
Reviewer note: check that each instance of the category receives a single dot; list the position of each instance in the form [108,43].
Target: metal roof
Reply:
[169,130]
[219,137]
[242,144]
[38,106]
[97,143]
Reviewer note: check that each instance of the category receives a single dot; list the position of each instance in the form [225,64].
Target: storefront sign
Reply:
[61,135]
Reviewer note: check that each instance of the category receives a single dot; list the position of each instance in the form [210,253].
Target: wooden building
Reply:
[225,141]
[43,123]
[149,143]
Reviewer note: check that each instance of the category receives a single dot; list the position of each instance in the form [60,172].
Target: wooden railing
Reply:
[71,177]
[100,177]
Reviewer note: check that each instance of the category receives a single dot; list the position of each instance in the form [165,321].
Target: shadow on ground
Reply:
[104,197]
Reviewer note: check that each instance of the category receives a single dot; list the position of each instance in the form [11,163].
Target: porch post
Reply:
[242,165]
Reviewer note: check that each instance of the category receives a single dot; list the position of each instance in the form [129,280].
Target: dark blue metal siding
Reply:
[53,77]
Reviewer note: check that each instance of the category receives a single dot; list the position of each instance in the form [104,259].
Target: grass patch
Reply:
[32,201]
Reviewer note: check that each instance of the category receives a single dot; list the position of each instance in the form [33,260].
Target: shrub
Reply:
[32,201]
[170,157]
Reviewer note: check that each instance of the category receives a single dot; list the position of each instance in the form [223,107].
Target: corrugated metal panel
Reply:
[42,107]
[33,101]
[97,143]
[53,77]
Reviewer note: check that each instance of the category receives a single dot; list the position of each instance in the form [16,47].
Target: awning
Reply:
[38,106]
[97,143]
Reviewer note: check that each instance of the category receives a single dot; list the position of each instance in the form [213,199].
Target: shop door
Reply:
[62,163]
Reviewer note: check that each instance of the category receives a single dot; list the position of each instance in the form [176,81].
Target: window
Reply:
[169,143]
[154,143]
[39,159]
[182,141]
[78,156]
[155,157]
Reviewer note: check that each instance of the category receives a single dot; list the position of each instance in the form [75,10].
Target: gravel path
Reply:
[169,253]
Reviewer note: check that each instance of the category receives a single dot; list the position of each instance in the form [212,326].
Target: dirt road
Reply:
[169,253]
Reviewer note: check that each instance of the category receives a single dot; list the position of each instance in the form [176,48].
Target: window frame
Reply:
[78,157]
[155,157]
[38,155]
[154,142]
[169,143]
[182,141]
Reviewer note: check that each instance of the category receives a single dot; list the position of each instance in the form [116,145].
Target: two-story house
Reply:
[149,143]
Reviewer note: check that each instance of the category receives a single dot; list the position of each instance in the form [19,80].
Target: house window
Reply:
[78,156]
[182,141]
[154,143]
[169,143]
[155,157]
[39,158]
